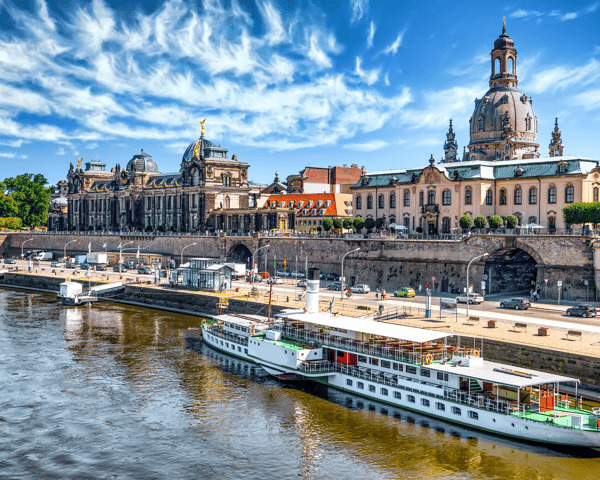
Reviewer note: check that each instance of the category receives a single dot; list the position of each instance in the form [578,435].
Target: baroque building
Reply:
[501,173]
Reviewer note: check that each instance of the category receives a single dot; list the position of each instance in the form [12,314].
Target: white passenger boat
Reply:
[433,373]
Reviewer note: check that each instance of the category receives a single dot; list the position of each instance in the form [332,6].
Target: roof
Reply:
[401,332]
[509,375]
[340,204]
[215,266]
[243,320]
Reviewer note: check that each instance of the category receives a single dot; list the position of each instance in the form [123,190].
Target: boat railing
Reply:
[232,337]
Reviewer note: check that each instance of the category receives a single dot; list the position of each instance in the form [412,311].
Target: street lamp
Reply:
[475,258]
[343,283]
[252,266]
[65,250]
[120,253]
[28,240]
[181,259]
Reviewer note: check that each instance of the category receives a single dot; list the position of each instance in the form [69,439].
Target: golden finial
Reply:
[504,22]
[202,123]
[79,162]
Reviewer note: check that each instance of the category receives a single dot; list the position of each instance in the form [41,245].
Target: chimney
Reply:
[312,290]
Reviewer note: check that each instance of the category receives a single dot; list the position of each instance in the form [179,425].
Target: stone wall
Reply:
[182,300]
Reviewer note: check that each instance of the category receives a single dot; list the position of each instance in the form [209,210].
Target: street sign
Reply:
[433,279]
[585,282]
[559,283]
[484,276]
[483,284]
[546,280]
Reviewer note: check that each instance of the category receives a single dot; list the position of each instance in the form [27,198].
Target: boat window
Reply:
[221,342]
[425,372]
[239,349]
[245,350]
[360,385]
[397,395]
[456,411]
[316,353]
[362,359]
[371,388]
[385,364]
[349,382]
[232,347]
[398,366]
[424,402]
[244,329]
[442,376]
[473,415]
[412,370]
[374,361]
[440,406]
[237,327]
[384,391]
[410,398]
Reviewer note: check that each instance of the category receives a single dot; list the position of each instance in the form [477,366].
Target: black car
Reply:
[85,266]
[100,268]
[143,270]
[335,286]
[9,261]
[582,310]
[70,265]
[120,268]
[332,276]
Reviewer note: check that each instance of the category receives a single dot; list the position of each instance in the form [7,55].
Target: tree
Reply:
[31,196]
[358,224]
[466,222]
[327,224]
[511,221]
[337,223]
[369,224]
[348,223]
[319,229]
[379,223]
[581,213]
[480,222]
[496,221]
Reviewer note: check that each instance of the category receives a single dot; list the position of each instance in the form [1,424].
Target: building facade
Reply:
[501,173]
[324,180]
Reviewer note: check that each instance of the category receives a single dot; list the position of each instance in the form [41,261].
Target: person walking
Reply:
[383,294]
[377,294]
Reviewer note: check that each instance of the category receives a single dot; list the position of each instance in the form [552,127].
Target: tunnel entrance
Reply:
[510,271]
[239,254]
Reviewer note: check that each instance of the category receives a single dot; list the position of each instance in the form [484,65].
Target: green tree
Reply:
[348,223]
[337,223]
[480,222]
[466,222]
[31,196]
[582,213]
[379,223]
[369,224]
[319,229]
[327,224]
[511,221]
[496,221]
[8,206]
[358,223]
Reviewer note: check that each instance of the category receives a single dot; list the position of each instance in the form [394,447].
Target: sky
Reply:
[282,84]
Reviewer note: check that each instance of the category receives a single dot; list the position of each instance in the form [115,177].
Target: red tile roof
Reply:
[337,206]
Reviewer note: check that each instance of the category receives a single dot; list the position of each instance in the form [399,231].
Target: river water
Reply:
[114,391]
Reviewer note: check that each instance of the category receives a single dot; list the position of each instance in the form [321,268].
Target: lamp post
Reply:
[65,250]
[120,255]
[343,283]
[28,240]
[252,266]
[181,259]
[473,259]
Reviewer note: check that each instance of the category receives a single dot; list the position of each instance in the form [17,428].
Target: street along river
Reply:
[115,391]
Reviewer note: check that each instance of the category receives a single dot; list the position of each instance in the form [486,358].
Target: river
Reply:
[114,391]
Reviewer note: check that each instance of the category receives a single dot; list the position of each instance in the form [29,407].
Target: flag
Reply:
[138,252]
[104,246]
[90,247]
[119,246]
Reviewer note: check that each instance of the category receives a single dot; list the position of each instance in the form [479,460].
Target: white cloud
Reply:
[276,32]
[13,144]
[588,100]
[569,16]
[562,77]
[60,151]
[367,146]
[387,80]
[8,154]
[393,48]
[371,34]
[525,13]
[358,8]
[367,76]
[316,54]
[44,15]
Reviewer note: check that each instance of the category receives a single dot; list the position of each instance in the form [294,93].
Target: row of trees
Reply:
[495,221]
[582,213]
[25,197]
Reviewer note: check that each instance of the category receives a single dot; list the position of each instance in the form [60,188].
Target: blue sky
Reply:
[282,84]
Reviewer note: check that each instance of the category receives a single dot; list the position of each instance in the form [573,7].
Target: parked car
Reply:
[297,274]
[54,265]
[332,276]
[100,268]
[473,298]
[264,274]
[360,289]
[9,261]
[518,303]
[120,268]
[323,276]
[256,278]
[282,273]
[85,266]
[582,310]
[70,265]
[301,283]
[405,292]
[144,270]
[274,280]
[335,286]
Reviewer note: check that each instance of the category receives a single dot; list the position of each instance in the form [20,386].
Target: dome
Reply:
[59,201]
[142,162]
[504,42]
[204,147]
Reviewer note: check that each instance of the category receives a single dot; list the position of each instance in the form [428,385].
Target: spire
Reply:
[556,146]
[450,147]
[503,25]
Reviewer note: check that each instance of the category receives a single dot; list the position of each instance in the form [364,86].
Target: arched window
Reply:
[431,197]
[227,202]
[421,196]
[169,203]
[502,197]
[381,201]
[532,196]
[511,65]
[570,194]
[497,68]
[358,202]
[195,178]
[446,197]
[532,220]
[528,123]
[369,201]
[392,200]
[446,225]
[480,124]
[468,196]
[595,197]
[518,196]
[407,198]
[489,197]
[552,195]
[551,224]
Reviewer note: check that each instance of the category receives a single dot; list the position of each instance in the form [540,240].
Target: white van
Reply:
[45,256]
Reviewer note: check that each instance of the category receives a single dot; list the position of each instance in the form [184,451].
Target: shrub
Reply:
[148,228]
[90,228]
[480,222]
[511,221]
[419,229]
[581,213]
[369,224]
[98,228]
[379,223]
[496,221]
[182,229]
[160,228]
[327,224]
[337,223]
[358,223]
[171,228]
[466,221]
[348,223]
[319,229]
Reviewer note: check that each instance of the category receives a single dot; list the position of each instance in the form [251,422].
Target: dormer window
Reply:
[291,204]
[328,202]
[505,99]
[305,212]
[319,203]
[365,180]
[562,167]
[480,123]
[310,203]
[300,203]
[282,204]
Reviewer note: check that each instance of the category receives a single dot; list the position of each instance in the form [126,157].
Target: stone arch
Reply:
[239,253]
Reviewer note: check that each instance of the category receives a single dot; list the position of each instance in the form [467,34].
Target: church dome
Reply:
[143,163]
[59,201]
[204,148]
[504,42]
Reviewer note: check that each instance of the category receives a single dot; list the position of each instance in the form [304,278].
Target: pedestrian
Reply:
[383,294]
[531,295]
[538,293]
[377,294]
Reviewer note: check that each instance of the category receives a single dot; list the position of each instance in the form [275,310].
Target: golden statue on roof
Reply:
[504,22]
[79,163]
[202,123]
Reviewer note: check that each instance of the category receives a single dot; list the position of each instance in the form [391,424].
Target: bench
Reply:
[574,333]
[521,325]
[473,319]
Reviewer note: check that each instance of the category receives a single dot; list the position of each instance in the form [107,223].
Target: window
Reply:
[562,168]
[468,196]
[552,223]
[149,204]
[398,366]
[518,196]
[410,398]
[570,194]
[595,194]
[360,385]
[480,124]
[385,364]
[392,200]
[446,197]
[456,411]
[362,359]
[372,388]
[374,361]
[532,196]
[442,376]
[407,222]
[552,195]
[532,219]
[489,199]
[407,198]
[425,372]
[412,370]
[227,181]
[431,197]
[398,395]
[446,225]
[503,197]
[473,415]
[349,382]
[440,406]
[381,201]
[424,402]
[421,196]
[370,201]
[384,391]
[528,123]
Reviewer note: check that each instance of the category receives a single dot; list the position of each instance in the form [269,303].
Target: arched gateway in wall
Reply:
[239,253]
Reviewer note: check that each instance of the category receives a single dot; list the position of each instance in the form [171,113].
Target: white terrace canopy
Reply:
[400,332]
[511,376]
[243,320]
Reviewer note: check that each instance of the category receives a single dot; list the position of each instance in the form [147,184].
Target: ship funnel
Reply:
[312,290]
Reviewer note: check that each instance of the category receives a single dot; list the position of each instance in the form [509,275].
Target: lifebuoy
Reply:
[476,353]
[428,359]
